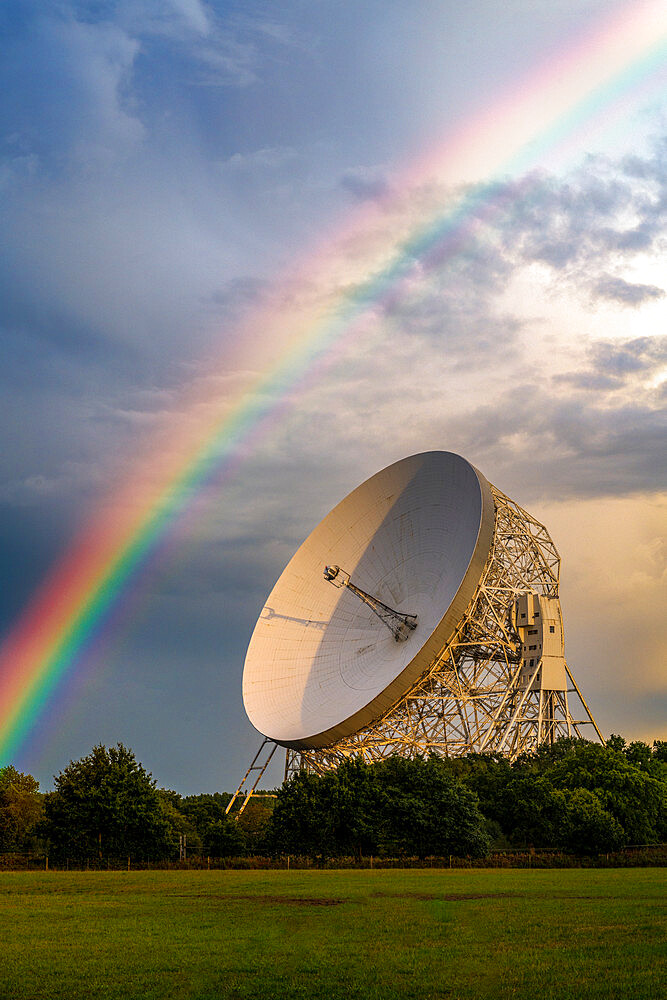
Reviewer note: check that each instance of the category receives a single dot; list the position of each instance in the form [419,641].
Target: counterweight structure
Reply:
[481,667]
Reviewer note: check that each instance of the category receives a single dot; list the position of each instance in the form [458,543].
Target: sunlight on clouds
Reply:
[614,592]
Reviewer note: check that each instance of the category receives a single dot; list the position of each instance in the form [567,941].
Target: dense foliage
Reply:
[21,809]
[398,806]
[106,805]
[575,796]
[208,830]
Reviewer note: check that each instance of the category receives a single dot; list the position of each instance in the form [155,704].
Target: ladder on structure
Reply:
[257,766]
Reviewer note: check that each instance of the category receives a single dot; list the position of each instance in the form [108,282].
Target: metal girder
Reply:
[259,764]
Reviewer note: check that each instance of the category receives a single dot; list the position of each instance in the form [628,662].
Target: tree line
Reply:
[576,796]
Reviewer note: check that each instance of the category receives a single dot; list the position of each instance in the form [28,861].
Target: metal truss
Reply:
[260,762]
[471,700]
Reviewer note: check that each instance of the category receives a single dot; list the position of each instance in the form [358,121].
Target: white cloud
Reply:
[194,13]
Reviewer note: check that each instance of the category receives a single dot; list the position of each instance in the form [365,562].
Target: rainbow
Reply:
[596,82]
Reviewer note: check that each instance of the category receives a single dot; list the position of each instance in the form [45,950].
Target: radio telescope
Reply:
[420,616]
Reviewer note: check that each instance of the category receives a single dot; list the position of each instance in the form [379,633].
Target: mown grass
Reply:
[334,935]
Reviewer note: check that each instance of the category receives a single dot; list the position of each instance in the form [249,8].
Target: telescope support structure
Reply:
[490,689]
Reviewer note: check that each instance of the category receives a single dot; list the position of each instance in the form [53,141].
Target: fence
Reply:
[636,856]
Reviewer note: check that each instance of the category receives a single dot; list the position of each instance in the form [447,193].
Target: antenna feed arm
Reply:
[401,625]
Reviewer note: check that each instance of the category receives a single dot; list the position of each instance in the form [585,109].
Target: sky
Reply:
[191,189]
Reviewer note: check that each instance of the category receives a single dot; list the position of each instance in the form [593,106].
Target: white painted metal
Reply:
[321,665]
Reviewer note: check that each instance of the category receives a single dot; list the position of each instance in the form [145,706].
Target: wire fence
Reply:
[635,856]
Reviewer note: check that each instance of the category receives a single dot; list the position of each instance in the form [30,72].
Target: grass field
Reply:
[538,935]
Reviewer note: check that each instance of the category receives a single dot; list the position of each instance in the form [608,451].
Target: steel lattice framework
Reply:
[471,698]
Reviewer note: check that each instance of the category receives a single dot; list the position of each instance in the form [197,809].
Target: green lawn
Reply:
[538,935]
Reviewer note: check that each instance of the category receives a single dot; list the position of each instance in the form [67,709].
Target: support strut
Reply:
[399,624]
[257,765]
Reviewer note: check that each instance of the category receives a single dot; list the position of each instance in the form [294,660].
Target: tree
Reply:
[333,815]
[224,838]
[393,806]
[636,799]
[639,754]
[298,823]
[253,824]
[532,811]
[536,801]
[348,803]
[21,808]
[203,813]
[180,824]
[587,827]
[106,805]
[425,811]
[488,776]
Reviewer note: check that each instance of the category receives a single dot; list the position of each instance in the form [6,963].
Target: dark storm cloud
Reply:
[119,223]
[117,235]
[237,296]
[456,323]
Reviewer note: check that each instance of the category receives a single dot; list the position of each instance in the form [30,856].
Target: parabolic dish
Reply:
[321,664]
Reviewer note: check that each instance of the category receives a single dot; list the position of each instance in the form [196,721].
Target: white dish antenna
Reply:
[368,601]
